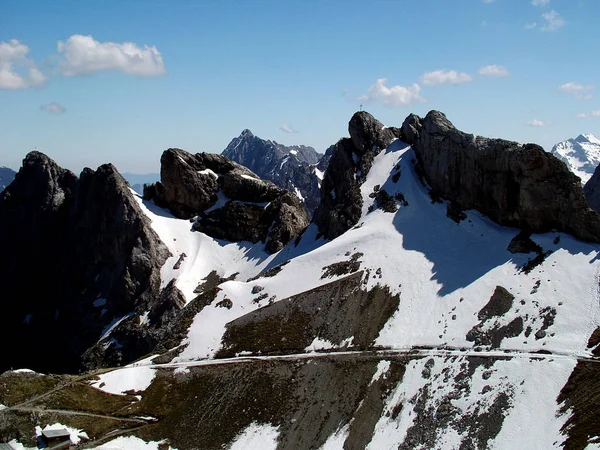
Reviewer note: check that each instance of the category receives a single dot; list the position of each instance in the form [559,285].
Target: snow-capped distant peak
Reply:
[581,154]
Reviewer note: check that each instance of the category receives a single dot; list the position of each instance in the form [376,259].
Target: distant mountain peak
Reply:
[246,133]
[580,154]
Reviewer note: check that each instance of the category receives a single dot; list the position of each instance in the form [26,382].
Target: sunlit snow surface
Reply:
[256,436]
[130,443]
[581,154]
[444,273]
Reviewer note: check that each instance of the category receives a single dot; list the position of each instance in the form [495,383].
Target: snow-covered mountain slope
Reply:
[475,353]
[581,154]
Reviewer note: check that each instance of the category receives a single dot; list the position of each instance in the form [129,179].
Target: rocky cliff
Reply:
[226,200]
[515,185]
[350,162]
[592,190]
[82,256]
[297,168]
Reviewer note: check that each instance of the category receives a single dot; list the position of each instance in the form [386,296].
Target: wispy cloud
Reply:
[287,129]
[587,115]
[438,77]
[540,2]
[83,55]
[392,95]
[537,123]
[488,1]
[554,21]
[17,70]
[494,71]
[53,108]
[484,24]
[578,90]
[530,26]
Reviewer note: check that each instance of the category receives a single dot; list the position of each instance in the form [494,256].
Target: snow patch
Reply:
[75,434]
[99,302]
[127,379]
[130,443]
[258,436]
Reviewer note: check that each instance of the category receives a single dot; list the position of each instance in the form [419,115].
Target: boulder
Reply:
[515,185]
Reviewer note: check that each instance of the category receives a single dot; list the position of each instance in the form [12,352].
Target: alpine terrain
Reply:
[6,177]
[445,295]
[297,168]
[581,154]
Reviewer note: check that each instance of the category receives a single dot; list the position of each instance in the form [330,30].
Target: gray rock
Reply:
[289,167]
[515,185]
[255,210]
[592,190]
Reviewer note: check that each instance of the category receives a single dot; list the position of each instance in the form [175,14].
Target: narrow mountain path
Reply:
[82,413]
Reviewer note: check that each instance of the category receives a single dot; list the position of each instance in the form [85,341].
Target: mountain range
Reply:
[581,154]
[297,168]
[6,177]
[444,295]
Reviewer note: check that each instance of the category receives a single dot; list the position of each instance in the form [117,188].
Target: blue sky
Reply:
[120,81]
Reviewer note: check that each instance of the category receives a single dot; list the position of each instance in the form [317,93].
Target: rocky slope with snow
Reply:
[581,155]
[297,168]
[7,175]
[397,320]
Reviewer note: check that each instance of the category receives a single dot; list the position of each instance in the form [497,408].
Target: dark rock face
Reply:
[6,177]
[291,168]
[228,201]
[592,190]
[368,134]
[515,185]
[351,160]
[82,254]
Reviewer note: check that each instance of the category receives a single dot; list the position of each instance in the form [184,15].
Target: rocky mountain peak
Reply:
[246,133]
[580,154]
[515,185]
[369,134]
[293,168]
[226,200]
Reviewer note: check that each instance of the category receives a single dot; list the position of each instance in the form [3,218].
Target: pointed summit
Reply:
[581,155]
[246,133]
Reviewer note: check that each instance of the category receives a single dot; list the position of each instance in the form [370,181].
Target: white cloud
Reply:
[394,95]
[445,76]
[554,21]
[530,26]
[591,114]
[578,90]
[83,55]
[494,71]
[287,129]
[537,123]
[53,108]
[488,1]
[17,71]
[540,2]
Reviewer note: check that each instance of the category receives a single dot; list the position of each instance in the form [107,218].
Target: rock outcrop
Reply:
[351,160]
[227,200]
[296,168]
[592,190]
[515,185]
[82,254]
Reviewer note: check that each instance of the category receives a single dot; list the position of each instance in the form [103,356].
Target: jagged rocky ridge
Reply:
[82,254]
[450,340]
[580,154]
[591,189]
[297,168]
[515,185]
[227,200]
[350,162]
